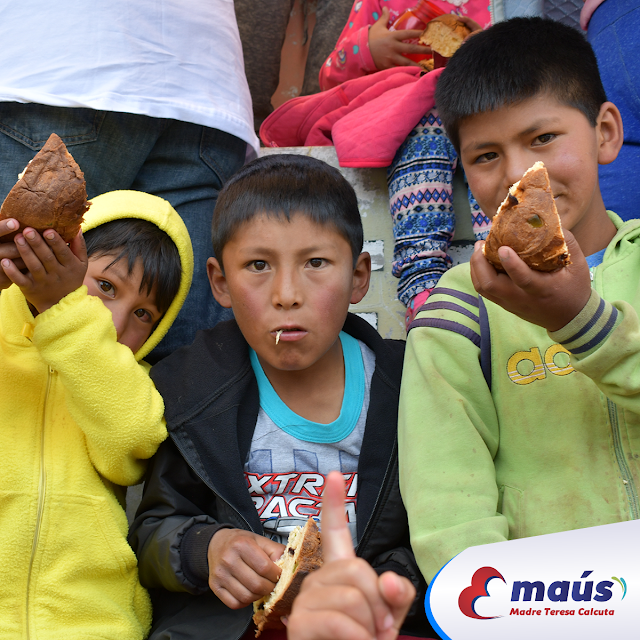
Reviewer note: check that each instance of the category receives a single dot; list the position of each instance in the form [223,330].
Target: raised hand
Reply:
[387,47]
[550,300]
[346,599]
[53,269]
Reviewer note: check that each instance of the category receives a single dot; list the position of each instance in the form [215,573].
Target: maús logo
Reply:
[558,591]
[535,590]
[540,587]
[478,589]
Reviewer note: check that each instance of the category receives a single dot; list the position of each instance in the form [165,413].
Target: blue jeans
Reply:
[184,163]
[613,33]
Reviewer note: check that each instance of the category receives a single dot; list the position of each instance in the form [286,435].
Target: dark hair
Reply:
[134,239]
[516,60]
[282,185]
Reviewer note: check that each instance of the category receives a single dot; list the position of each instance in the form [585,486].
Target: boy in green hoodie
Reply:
[79,414]
[526,424]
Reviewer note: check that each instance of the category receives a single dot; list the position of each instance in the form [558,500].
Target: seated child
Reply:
[420,178]
[520,426]
[346,599]
[79,413]
[260,409]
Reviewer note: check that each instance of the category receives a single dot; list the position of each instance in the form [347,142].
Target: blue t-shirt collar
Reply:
[303,429]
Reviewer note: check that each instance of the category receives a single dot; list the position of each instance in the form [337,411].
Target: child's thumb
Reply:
[79,248]
[383,20]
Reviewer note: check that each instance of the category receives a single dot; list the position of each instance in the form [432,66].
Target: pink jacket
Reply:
[351,57]
[367,119]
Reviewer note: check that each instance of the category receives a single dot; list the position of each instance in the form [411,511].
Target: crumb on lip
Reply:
[278,334]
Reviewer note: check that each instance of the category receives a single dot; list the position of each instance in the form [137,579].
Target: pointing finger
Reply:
[336,539]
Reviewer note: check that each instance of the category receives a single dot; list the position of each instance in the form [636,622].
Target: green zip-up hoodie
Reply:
[506,431]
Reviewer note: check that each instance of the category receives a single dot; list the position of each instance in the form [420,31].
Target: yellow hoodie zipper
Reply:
[42,487]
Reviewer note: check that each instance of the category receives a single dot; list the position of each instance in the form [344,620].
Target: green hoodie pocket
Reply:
[510,505]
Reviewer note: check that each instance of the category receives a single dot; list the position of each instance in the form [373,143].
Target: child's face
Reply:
[497,147]
[294,276]
[134,312]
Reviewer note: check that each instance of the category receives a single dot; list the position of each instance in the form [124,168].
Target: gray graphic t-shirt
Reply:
[290,456]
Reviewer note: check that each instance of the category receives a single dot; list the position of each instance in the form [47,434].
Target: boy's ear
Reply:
[218,283]
[610,131]
[361,277]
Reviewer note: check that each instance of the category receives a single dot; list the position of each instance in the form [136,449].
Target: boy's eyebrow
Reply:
[122,273]
[535,126]
[269,250]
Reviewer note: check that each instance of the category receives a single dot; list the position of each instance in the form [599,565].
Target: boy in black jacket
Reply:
[262,408]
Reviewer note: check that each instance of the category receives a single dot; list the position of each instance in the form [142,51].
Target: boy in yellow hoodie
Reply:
[79,414]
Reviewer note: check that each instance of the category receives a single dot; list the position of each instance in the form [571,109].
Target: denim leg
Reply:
[200,160]
[421,203]
[110,148]
[613,33]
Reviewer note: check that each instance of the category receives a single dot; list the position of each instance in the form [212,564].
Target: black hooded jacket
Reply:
[195,483]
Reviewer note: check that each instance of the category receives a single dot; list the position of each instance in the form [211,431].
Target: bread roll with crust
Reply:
[445,34]
[302,555]
[50,193]
[528,222]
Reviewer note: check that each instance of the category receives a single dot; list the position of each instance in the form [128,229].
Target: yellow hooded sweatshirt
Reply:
[79,416]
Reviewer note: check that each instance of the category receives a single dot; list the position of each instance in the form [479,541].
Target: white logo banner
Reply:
[576,584]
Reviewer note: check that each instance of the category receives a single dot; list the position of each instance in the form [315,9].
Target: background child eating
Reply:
[420,177]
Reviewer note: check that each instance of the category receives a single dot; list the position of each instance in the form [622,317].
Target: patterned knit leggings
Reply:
[421,204]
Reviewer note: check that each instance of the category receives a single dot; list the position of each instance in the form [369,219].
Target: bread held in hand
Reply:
[528,222]
[302,555]
[50,193]
[445,34]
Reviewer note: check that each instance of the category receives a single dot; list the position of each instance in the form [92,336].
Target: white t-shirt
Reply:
[161,58]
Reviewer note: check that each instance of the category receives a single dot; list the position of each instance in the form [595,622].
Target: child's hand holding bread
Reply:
[49,198]
[529,265]
[8,250]
[242,566]
[53,268]
[388,48]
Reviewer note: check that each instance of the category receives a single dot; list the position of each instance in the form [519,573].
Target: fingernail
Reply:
[12,224]
[49,235]
[30,234]
[6,263]
[21,241]
[387,623]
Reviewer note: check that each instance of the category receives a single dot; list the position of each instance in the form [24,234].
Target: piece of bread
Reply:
[50,193]
[528,222]
[445,34]
[302,555]
[426,64]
